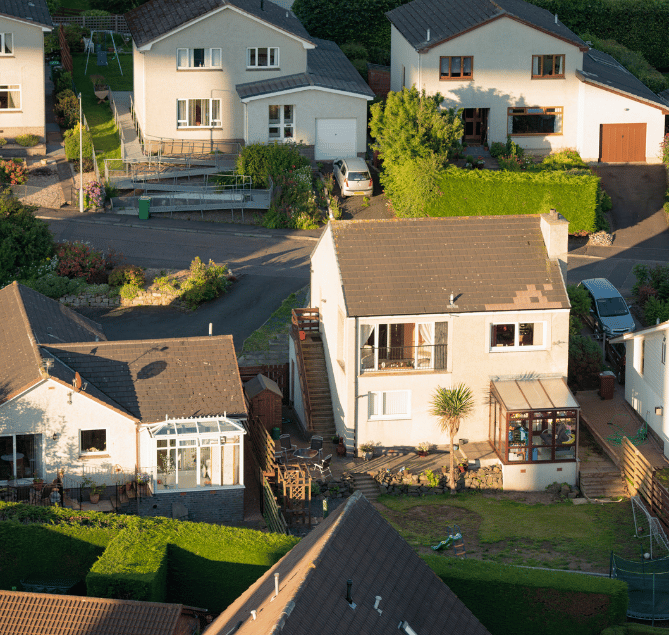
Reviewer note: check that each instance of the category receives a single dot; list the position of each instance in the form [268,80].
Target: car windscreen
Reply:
[611,307]
[359,176]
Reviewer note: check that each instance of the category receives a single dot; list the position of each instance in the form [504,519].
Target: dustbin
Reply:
[144,207]
[607,384]
[276,433]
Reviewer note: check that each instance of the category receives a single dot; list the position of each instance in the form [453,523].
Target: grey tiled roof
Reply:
[602,68]
[327,67]
[31,10]
[354,543]
[447,18]
[158,17]
[195,376]
[411,266]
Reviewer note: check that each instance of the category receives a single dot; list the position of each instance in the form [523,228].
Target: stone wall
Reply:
[205,505]
[143,298]
[484,478]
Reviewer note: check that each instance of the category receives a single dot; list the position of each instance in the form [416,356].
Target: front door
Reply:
[476,125]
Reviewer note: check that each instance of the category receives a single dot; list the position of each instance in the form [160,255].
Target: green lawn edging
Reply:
[518,601]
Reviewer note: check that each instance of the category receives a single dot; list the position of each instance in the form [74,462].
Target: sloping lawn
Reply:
[555,535]
[99,116]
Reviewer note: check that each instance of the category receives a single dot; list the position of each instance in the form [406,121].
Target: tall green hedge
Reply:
[515,601]
[490,192]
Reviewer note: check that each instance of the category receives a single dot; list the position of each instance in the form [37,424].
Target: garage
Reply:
[622,142]
[335,138]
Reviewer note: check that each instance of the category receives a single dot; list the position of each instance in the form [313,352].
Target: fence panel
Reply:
[271,510]
[276,372]
[114,23]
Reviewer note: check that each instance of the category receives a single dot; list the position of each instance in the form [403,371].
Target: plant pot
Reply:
[303,336]
[421,453]
[462,468]
[128,487]
[38,486]
[368,456]
[95,498]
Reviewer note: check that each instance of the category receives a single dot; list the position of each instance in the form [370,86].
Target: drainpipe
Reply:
[356,380]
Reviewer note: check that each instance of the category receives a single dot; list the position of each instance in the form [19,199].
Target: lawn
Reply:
[99,116]
[497,528]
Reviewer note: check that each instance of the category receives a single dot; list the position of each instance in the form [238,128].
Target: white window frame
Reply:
[214,123]
[84,452]
[282,125]
[381,399]
[255,50]
[3,42]
[208,55]
[13,88]
[516,346]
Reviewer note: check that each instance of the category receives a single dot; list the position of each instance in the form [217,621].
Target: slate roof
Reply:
[411,266]
[182,377]
[449,18]
[356,543]
[259,384]
[158,17]
[327,67]
[29,10]
[604,69]
[47,614]
[28,319]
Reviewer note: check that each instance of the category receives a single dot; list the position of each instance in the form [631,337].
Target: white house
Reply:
[244,71]
[70,400]
[22,80]
[409,305]
[646,377]
[516,70]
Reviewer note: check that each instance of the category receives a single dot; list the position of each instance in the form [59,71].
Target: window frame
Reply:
[541,66]
[213,123]
[462,77]
[381,398]
[12,88]
[208,52]
[556,111]
[516,337]
[282,125]
[257,66]
[3,43]
[86,452]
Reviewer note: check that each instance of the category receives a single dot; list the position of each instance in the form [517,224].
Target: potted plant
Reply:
[463,466]
[143,479]
[335,439]
[367,449]
[95,489]
[38,483]
[423,449]
[469,159]
[480,163]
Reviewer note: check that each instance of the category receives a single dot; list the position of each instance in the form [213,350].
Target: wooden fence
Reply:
[276,372]
[114,23]
[65,54]
[642,481]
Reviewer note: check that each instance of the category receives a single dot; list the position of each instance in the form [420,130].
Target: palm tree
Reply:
[451,405]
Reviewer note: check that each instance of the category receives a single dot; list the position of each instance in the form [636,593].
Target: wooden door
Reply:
[622,142]
[475,121]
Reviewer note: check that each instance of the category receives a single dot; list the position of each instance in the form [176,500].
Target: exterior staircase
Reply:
[605,482]
[322,417]
[366,484]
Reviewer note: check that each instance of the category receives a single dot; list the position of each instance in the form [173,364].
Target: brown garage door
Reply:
[622,142]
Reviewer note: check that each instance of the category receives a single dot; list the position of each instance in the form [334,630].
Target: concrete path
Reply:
[130,146]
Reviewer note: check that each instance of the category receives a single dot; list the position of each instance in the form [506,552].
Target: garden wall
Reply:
[399,484]
[102,300]
[207,506]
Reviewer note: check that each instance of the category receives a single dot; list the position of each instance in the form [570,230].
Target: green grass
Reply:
[99,116]
[558,535]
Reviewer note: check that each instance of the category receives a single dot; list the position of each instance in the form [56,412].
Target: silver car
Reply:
[608,309]
[353,177]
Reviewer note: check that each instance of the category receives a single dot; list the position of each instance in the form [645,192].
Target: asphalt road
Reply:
[270,266]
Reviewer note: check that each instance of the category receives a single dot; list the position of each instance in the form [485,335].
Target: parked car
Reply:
[608,309]
[353,177]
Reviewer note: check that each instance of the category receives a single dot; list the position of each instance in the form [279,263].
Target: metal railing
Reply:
[112,103]
[392,358]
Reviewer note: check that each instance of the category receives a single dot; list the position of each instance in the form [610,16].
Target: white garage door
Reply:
[335,138]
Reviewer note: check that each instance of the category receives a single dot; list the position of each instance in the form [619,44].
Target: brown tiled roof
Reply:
[356,543]
[158,17]
[411,266]
[182,377]
[35,11]
[45,614]
[28,319]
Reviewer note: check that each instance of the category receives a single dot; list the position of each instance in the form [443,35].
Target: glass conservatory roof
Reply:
[196,427]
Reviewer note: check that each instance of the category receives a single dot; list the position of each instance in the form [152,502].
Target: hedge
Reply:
[517,601]
[492,193]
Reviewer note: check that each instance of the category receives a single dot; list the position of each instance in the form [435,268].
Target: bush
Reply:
[260,161]
[74,35]
[13,172]
[72,145]
[204,283]
[129,291]
[579,298]
[62,81]
[27,140]
[3,142]
[55,286]
[293,206]
[127,274]
[529,601]
[585,360]
[657,277]
[563,160]
[67,109]
[78,260]
[497,149]
[656,309]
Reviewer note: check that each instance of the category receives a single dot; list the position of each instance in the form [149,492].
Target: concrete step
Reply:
[366,484]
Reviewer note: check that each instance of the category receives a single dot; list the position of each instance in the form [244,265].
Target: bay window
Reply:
[198,112]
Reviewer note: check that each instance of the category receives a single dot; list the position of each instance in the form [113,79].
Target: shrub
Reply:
[664,149]
[579,298]
[204,283]
[13,172]
[656,309]
[3,142]
[27,140]
[497,149]
[644,293]
[563,160]
[129,291]
[585,360]
[74,35]
[260,161]
[67,109]
[657,277]
[78,260]
[354,51]
[94,194]
[72,144]
[527,601]
[62,81]
[55,286]
[127,274]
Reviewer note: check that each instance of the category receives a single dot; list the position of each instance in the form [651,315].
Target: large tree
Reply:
[451,405]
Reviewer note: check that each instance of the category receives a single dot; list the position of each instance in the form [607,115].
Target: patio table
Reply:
[303,454]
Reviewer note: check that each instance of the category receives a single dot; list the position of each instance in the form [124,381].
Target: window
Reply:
[515,335]
[6,44]
[539,121]
[93,441]
[456,67]
[394,404]
[10,97]
[199,58]
[547,66]
[198,112]
[281,122]
[262,58]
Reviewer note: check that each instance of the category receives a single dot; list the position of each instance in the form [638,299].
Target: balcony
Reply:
[403,358]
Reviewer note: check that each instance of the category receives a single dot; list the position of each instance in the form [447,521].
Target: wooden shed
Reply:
[265,399]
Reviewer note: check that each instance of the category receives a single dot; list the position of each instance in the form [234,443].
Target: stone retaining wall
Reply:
[143,298]
[484,478]
[204,505]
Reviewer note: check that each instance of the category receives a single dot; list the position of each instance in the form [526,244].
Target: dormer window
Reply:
[6,44]
[262,57]
[198,58]
[456,67]
[547,66]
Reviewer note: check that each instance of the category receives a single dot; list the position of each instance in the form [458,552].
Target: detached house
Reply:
[516,70]
[22,81]
[409,305]
[243,71]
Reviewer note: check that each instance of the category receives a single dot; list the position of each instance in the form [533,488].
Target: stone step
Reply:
[366,484]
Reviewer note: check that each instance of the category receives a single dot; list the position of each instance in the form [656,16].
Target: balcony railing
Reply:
[403,358]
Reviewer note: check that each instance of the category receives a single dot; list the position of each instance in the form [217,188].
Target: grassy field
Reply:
[500,529]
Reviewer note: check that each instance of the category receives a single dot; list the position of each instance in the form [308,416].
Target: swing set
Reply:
[101,49]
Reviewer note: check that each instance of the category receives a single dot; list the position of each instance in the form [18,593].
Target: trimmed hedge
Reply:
[516,601]
[492,193]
